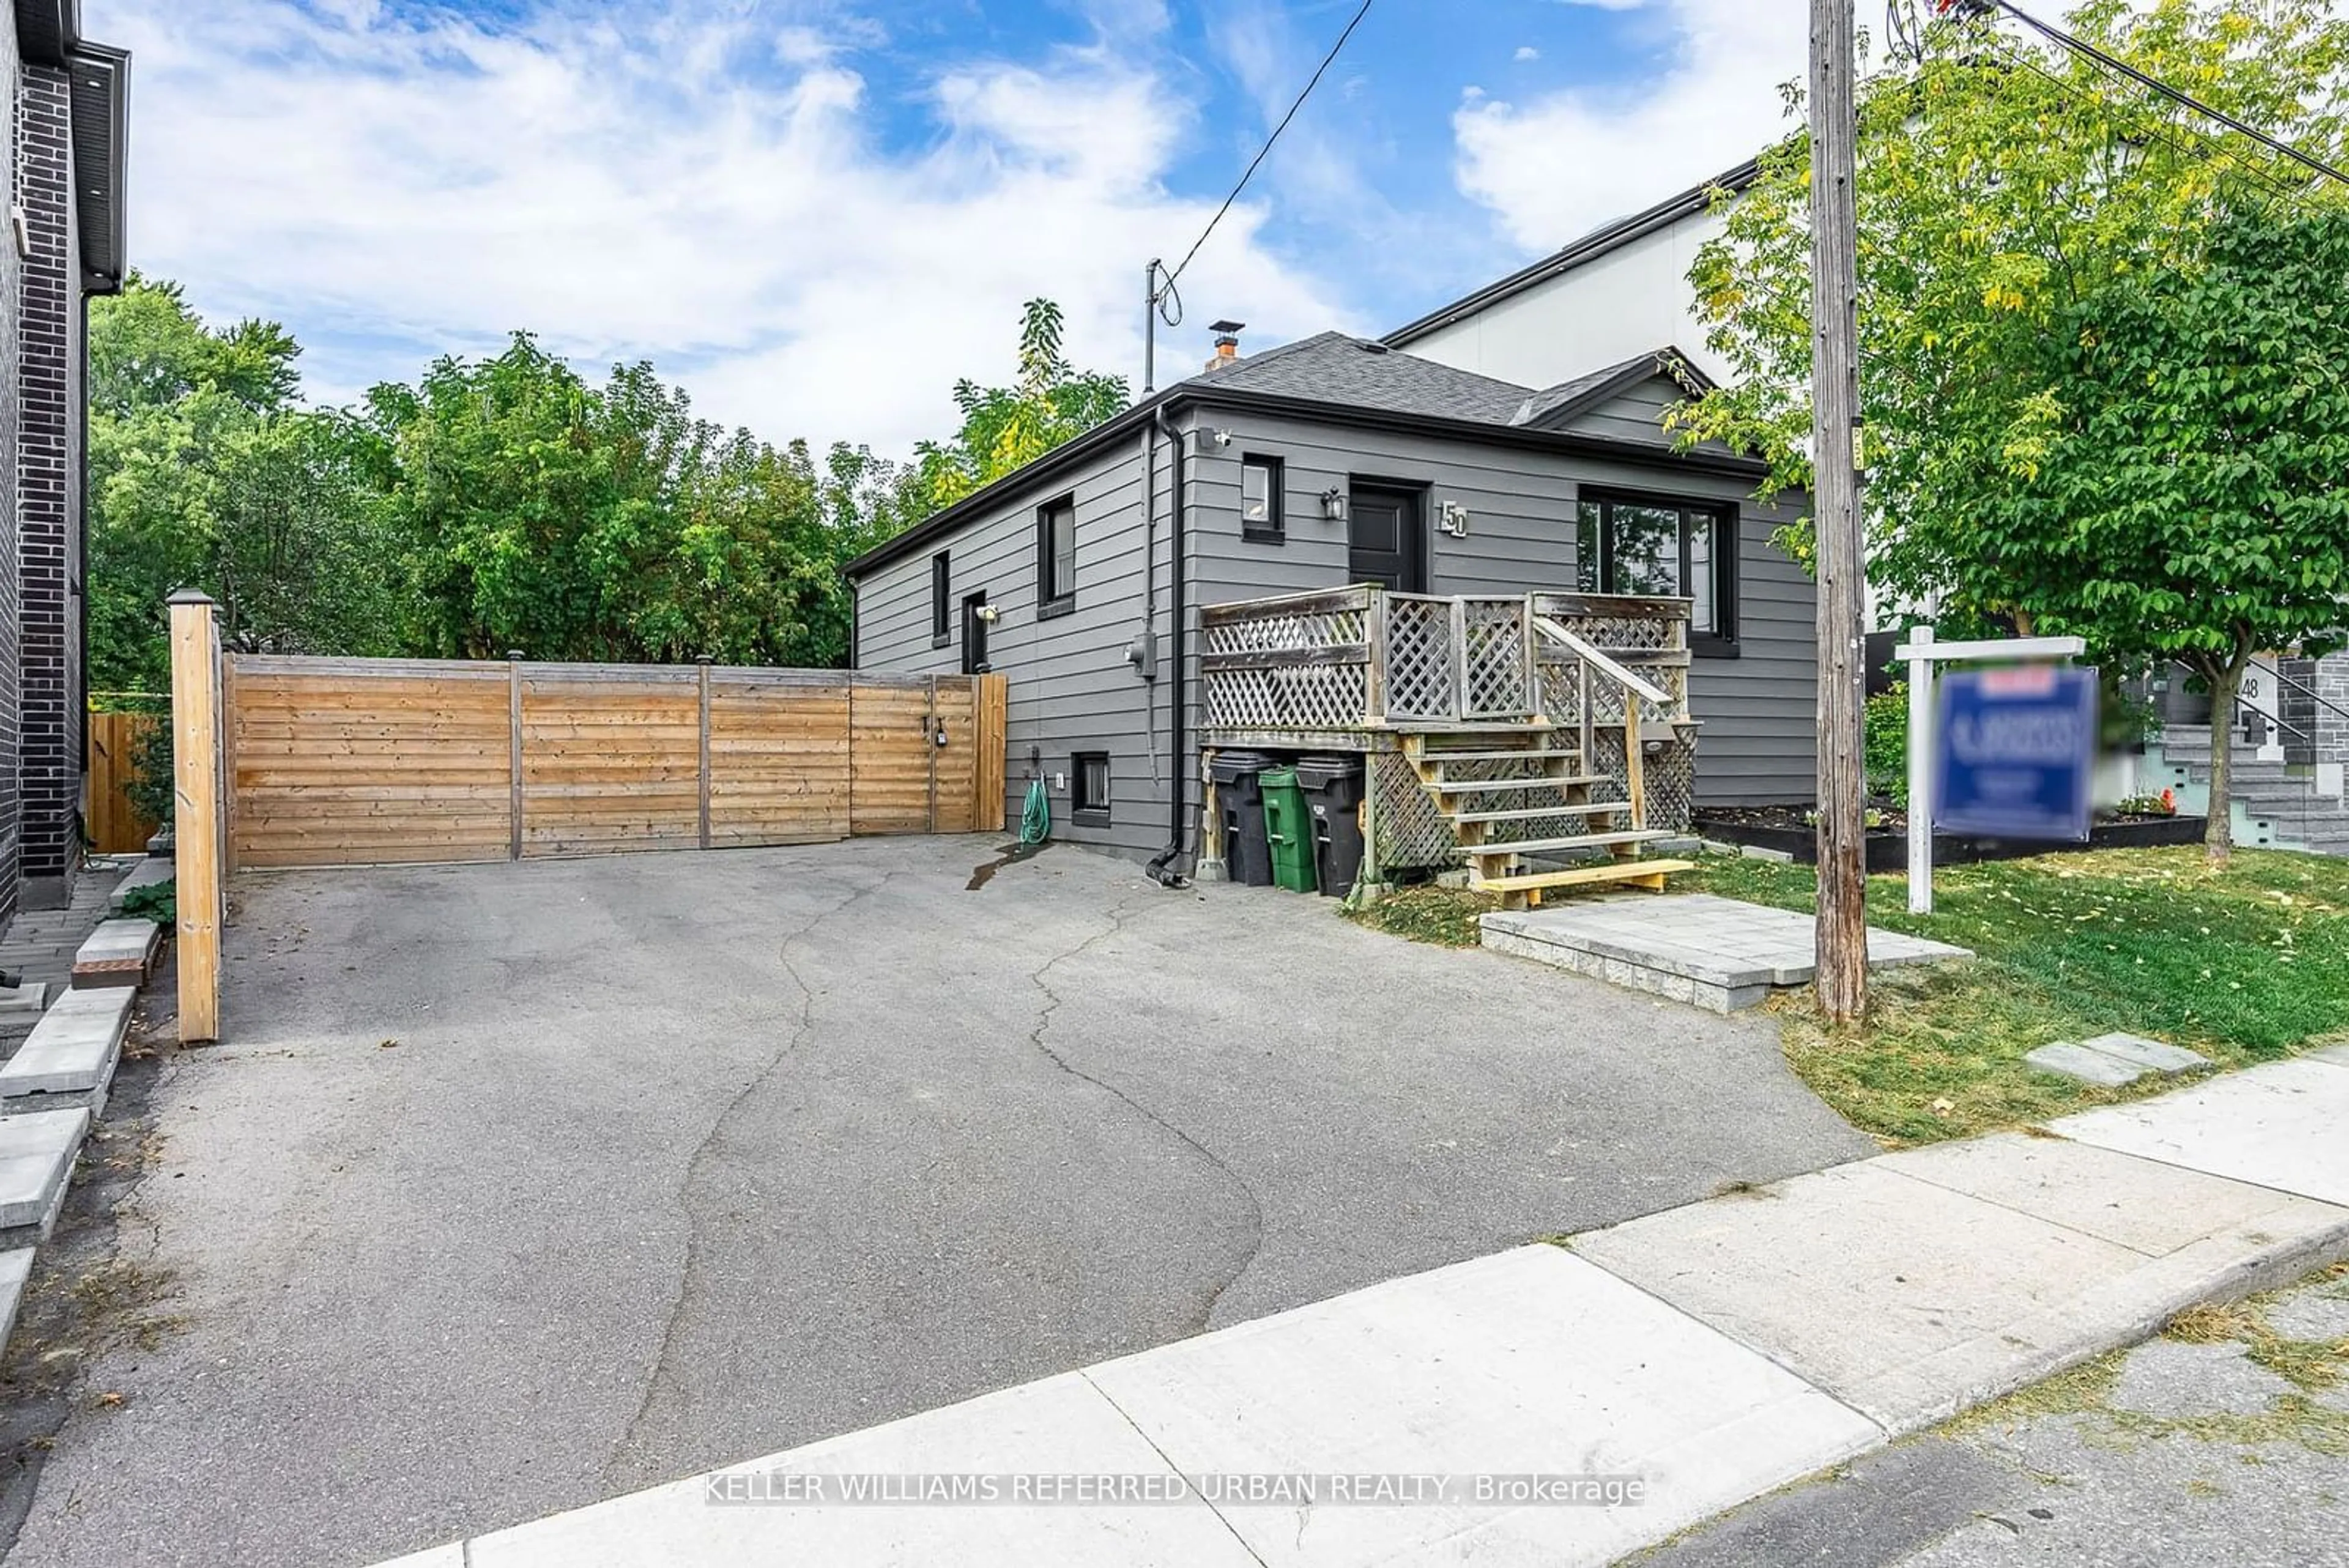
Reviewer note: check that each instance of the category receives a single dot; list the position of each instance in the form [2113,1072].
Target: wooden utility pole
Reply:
[1842,556]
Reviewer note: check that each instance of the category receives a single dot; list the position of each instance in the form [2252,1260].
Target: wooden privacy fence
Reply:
[369,762]
[116,826]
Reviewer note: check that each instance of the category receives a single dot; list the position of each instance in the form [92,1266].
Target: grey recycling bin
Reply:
[1239,806]
[1333,784]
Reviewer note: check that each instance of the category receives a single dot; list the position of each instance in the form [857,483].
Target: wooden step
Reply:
[1469,787]
[1534,813]
[1534,754]
[1644,873]
[1581,841]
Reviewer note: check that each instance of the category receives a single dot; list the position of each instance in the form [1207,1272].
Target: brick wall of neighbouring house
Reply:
[12,292]
[48,500]
[2332,685]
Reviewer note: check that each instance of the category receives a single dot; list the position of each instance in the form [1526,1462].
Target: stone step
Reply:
[69,1058]
[1574,841]
[117,954]
[150,871]
[36,1159]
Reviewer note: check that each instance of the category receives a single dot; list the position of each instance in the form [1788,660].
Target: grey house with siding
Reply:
[1088,576]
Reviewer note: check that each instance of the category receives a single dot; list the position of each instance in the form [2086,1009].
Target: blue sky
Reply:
[817,214]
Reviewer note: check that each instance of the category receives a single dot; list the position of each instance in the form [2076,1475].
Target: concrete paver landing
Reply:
[1717,953]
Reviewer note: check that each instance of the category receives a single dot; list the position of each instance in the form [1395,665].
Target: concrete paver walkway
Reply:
[1717,1351]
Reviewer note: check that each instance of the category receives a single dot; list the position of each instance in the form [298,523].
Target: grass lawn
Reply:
[2244,965]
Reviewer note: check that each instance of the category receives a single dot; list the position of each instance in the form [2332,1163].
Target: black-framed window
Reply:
[973,634]
[1654,545]
[1088,788]
[1260,499]
[1056,558]
[941,601]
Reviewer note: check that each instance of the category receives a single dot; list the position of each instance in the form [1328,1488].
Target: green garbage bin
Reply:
[1288,827]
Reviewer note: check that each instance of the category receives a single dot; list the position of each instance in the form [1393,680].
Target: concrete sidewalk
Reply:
[1716,1351]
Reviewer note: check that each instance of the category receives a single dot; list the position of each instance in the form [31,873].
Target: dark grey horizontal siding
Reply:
[1637,414]
[1070,687]
[1759,709]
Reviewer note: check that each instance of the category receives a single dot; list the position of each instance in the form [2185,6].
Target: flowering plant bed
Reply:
[1792,830]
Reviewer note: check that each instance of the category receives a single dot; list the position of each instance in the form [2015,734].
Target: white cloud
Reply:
[1561,165]
[710,188]
[1526,52]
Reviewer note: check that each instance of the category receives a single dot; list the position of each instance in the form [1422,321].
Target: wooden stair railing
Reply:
[1464,776]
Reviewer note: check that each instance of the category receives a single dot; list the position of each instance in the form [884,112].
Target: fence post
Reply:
[704,662]
[196,811]
[514,749]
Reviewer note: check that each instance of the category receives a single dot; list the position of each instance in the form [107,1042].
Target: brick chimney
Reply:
[1227,343]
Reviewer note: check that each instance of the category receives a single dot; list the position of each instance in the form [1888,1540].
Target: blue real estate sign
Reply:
[2017,753]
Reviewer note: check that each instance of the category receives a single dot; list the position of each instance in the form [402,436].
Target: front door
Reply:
[1386,540]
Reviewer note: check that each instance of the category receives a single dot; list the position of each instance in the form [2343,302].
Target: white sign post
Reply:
[1922,653]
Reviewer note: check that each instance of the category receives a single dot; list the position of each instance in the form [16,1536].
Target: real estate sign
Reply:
[2017,749]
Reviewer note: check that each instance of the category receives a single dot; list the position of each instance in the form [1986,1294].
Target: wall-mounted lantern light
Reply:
[1333,505]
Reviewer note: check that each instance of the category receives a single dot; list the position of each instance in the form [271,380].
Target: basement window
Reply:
[1088,788]
[1260,510]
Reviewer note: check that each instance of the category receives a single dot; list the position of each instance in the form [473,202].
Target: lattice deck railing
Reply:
[1364,658]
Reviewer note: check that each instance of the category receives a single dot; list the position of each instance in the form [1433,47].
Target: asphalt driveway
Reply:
[520,1185]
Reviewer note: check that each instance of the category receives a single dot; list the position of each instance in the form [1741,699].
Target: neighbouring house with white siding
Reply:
[1619,291]
[1319,464]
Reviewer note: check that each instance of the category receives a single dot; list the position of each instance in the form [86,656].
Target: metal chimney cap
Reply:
[1225,328]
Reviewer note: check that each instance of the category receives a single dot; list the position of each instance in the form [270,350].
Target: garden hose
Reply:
[1036,817]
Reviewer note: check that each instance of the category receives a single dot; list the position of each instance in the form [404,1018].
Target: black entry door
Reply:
[1386,541]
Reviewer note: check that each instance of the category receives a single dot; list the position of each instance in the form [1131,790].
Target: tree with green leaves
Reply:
[2010,200]
[203,473]
[1007,428]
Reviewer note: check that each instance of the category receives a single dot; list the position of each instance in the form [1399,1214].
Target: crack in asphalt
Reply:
[1117,917]
[803,1023]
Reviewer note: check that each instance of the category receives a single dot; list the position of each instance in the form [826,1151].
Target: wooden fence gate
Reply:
[340,762]
[114,824]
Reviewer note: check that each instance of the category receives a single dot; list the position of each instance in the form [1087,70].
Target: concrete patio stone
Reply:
[2073,1060]
[36,1157]
[71,1051]
[1719,953]
[117,954]
[150,871]
[2154,1055]
[16,1268]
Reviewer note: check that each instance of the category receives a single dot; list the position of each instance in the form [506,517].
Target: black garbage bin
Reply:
[1239,805]
[1332,782]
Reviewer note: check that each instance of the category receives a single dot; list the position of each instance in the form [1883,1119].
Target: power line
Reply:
[2109,63]
[1267,148]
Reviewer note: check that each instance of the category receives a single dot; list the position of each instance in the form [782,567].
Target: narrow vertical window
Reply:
[1260,500]
[1056,558]
[941,601]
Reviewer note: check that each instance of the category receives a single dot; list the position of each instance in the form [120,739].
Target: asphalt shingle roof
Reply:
[1335,369]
